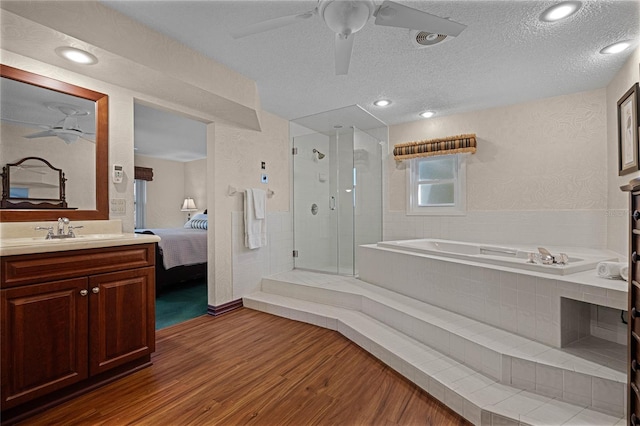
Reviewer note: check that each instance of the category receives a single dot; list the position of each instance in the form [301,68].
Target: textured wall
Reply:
[542,155]
[195,182]
[165,193]
[235,157]
[539,176]
[618,202]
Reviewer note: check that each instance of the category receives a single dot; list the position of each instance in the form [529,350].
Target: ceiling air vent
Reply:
[424,39]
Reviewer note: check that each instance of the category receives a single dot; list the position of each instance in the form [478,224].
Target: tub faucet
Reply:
[547,258]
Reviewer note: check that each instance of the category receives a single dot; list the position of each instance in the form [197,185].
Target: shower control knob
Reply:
[634,313]
[634,257]
[634,366]
[636,215]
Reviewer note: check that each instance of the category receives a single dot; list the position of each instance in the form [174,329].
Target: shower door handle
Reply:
[332,203]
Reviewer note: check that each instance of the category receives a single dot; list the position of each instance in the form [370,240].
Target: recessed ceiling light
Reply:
[560,11]
[382,102]
[616,47]
[427,114]
[76,55]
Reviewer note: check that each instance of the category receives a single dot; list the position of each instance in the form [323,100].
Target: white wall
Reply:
[236,160]
[617,201]
[172,182]
[195,182]
[165,193]
[538,177]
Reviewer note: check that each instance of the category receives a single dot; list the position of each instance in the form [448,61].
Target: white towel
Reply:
[610,269]
[255,230]
[259,202]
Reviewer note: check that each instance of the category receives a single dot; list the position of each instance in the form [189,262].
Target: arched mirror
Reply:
[67,127]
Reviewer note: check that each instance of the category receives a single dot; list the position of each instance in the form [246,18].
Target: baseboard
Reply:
[224,308]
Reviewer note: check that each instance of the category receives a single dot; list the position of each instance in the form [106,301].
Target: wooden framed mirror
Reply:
[96,207]
[33,183]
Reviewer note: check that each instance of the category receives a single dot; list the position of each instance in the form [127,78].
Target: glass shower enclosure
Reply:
[337,187]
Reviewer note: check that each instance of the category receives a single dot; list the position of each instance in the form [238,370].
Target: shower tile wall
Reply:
[249,266]
[312,182]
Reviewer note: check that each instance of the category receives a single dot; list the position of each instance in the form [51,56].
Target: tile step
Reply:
[479,398]
[451,333]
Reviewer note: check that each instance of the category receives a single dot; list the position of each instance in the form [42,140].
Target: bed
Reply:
[181,253]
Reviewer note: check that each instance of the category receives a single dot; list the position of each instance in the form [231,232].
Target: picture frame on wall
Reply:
[628,132]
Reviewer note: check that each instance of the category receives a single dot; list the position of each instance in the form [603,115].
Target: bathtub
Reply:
[513,256]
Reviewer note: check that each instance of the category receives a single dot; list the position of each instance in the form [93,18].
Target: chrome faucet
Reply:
[546,258]
[62,221]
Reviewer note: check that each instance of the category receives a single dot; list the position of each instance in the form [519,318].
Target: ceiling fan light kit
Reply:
[347,17]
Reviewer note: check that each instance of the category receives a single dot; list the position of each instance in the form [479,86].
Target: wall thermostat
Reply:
[118,173]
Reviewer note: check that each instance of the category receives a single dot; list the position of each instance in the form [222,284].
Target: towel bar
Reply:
[232,190]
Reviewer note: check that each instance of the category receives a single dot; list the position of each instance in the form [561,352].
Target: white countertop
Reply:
[30,245]
[22,237]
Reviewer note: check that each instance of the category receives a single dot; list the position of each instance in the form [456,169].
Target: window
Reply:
[139,202]
[436,185]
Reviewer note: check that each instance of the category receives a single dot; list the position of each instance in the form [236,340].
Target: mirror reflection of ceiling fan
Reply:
[345,18]
[66,129]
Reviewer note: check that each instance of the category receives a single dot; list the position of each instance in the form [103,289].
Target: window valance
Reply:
[143,173]
[442,146]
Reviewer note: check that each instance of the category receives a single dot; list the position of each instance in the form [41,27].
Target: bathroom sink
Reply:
[13,242]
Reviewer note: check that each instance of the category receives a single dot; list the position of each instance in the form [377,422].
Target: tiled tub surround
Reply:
[524,302]
[482,372]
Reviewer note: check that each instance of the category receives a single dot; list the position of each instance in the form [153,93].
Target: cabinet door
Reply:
[633,341]
[44,339]
[122,318]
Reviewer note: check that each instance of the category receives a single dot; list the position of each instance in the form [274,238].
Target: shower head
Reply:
[320,155]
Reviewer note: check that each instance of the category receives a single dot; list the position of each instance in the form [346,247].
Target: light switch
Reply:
[118,206]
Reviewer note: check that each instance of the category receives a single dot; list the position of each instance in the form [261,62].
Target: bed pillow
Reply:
[198,221]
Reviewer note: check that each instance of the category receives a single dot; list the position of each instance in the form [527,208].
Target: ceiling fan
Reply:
[347,17]
[66,129]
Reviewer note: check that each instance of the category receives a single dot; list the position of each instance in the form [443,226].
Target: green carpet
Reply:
[180,303]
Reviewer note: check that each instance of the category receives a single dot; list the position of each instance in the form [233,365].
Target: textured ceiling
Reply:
[505,56]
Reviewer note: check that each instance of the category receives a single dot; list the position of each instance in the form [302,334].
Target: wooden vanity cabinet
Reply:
[73,320]
[633,328]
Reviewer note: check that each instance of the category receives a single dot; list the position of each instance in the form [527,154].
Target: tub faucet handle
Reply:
[562,259]
[545,256]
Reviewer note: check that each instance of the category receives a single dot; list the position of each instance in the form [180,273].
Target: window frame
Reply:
[459,207]
[140,203]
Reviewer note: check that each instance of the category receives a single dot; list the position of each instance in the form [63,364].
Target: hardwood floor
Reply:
[248,367]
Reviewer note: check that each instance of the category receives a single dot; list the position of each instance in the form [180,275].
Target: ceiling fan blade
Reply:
[27,123]
[392,14]
[344,46]
[44,134]
[271,24]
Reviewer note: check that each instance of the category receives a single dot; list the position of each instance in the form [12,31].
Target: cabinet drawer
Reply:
[42,267]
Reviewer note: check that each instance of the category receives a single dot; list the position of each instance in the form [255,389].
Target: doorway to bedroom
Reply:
[171,201]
